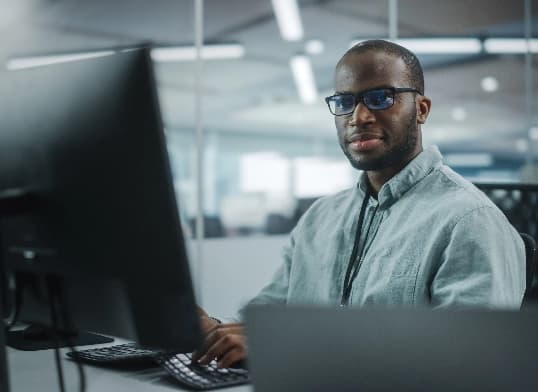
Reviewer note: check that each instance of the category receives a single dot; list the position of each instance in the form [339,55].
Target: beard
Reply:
[397,154]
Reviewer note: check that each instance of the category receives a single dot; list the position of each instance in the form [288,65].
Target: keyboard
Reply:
[201,377]
[120,354]
[179,366]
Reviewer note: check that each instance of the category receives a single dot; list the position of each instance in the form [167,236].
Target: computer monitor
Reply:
[89,216]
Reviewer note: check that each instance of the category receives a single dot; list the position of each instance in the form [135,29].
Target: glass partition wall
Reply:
[269,143]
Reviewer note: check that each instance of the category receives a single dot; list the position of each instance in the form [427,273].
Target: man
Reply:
[411,233]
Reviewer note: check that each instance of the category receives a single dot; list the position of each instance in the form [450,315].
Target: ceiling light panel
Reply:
[303,75]
[442,45]
[510,45]
[188,53]
[288,19]
[40,61]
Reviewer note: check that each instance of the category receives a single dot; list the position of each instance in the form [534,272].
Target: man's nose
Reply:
[361,115]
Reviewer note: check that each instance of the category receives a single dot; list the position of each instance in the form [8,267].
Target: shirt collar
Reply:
[429,159]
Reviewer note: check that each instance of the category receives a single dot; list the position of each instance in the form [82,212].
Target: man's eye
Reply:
[337,103]
[377,98]
[344,101]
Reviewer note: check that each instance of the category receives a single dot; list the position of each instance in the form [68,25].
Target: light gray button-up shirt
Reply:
[433,239]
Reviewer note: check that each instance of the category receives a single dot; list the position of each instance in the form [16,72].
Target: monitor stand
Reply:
[34,337]
[37,337]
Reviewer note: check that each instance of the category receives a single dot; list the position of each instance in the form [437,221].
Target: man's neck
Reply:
[377,178]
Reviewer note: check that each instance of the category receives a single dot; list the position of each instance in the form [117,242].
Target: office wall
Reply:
[234,270]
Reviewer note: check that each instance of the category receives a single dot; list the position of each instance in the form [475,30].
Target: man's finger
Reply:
[213,336]
[234,355]
[221,347]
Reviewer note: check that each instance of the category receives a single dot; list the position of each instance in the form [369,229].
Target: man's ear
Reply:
[423,108]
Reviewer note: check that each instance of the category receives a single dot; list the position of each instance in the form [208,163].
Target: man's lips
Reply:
[364,141]
[361,137]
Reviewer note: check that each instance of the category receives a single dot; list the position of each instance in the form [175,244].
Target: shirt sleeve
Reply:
[483,263]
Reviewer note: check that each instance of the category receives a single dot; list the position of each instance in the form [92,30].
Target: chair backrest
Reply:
[519,202]
[530,258]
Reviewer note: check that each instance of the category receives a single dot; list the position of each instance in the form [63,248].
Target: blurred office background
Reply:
[269,144]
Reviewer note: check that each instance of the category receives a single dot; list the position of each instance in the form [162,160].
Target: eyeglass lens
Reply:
[378,99]
[374,100]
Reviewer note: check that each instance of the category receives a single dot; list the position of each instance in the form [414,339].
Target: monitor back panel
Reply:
[86,137]
[330,349]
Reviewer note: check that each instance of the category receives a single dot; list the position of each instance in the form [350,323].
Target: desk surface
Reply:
[36,371]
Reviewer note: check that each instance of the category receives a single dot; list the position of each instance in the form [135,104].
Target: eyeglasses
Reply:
[373,99]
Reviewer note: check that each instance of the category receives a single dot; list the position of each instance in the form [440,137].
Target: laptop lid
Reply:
[296,349]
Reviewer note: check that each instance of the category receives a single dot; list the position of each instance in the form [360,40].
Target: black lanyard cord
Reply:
[348,280]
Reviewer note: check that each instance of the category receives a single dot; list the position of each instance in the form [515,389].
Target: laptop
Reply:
[300,349]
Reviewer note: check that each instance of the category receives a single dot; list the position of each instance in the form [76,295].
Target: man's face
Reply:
[377,139]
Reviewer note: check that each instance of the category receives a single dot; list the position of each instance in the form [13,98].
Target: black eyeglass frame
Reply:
[359,97]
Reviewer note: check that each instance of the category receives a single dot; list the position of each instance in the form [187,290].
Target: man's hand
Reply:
[225,342]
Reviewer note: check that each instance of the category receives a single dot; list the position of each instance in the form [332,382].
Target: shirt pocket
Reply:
[404,268]
[397,265]
[401,274]
[402,290]
[403,280]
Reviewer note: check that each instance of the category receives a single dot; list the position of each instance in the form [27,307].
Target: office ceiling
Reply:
[257,94]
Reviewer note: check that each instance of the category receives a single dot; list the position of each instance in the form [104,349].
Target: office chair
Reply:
[531,292]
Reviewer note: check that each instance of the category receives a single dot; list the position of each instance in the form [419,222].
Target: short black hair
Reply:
[415,74]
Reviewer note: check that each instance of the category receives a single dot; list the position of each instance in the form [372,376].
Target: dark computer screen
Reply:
[89,217]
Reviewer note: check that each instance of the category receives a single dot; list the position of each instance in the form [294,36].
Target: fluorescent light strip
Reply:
[304,78]
[510,45]
[469,159]
[188,53]
[466,45]
[39,61]
[438,45]
[441,45]
[288,19]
